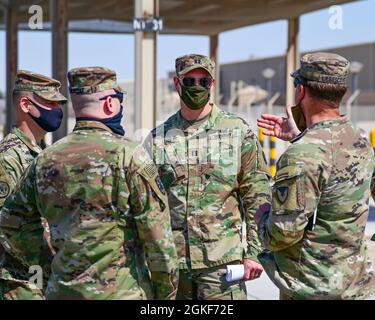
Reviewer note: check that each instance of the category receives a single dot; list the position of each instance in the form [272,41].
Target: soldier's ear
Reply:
[108,106]
[24,104]
[301,92]
[177,84]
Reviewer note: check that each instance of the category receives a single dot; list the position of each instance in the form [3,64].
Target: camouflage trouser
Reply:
[209,284]
[14,290]
[371,249]
[284,296]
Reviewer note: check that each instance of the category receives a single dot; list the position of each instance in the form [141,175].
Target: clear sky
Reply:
[264,40]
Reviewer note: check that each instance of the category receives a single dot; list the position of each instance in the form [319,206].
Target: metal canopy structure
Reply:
[192,17]
[180,16]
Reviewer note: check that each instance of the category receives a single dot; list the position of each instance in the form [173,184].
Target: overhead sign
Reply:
[153,24]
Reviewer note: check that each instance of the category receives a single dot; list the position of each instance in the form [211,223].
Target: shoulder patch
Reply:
[282,193]
[4,189]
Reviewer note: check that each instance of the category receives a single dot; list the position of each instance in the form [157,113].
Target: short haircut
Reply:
[88,101]
[328,92]
[17,95]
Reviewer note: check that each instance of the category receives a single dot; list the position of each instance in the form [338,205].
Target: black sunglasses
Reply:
[204,82]
[297,82]
[118,95]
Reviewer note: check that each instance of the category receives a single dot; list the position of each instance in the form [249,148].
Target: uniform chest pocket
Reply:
[223,172]
[288,194]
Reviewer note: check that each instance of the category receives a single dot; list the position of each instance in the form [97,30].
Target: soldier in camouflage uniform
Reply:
[215,176]
[109,219]
[373,194]
[315,232]
[38,96]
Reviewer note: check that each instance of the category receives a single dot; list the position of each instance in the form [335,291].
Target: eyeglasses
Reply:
[118,95]
[204,82]
[297,82]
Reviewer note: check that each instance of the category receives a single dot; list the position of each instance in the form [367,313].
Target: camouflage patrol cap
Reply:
[185,64]
[323,67]
[92,79]
[43,86]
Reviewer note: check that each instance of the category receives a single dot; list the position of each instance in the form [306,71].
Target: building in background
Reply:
[249,75]
[250,72]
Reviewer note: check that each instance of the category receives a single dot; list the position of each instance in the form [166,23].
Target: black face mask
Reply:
[49,120]
[114,123]
[299,118]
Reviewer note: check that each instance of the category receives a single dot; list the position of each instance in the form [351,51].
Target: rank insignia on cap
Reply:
[160,184]
[282,193]
[4,189]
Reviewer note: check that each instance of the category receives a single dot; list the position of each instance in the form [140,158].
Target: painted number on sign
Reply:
[148,24]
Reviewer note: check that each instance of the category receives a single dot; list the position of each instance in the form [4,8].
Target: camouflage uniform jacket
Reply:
[319,213]
[17,151]
[107,217]
[373,195]
[373,185]
[206,167]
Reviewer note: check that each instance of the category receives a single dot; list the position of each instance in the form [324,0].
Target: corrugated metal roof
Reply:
[180,16]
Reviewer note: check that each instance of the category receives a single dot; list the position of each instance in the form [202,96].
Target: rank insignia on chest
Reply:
[160,184]
[282,193]
[4,189]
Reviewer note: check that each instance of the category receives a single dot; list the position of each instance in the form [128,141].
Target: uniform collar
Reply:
[90,124]
[329,123]
[184,124]
[322,125]
[32,145]
[214,114]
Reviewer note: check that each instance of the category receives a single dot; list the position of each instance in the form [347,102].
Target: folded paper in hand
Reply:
[235,272]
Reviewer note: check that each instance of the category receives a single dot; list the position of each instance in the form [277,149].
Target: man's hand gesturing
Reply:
[279,127]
